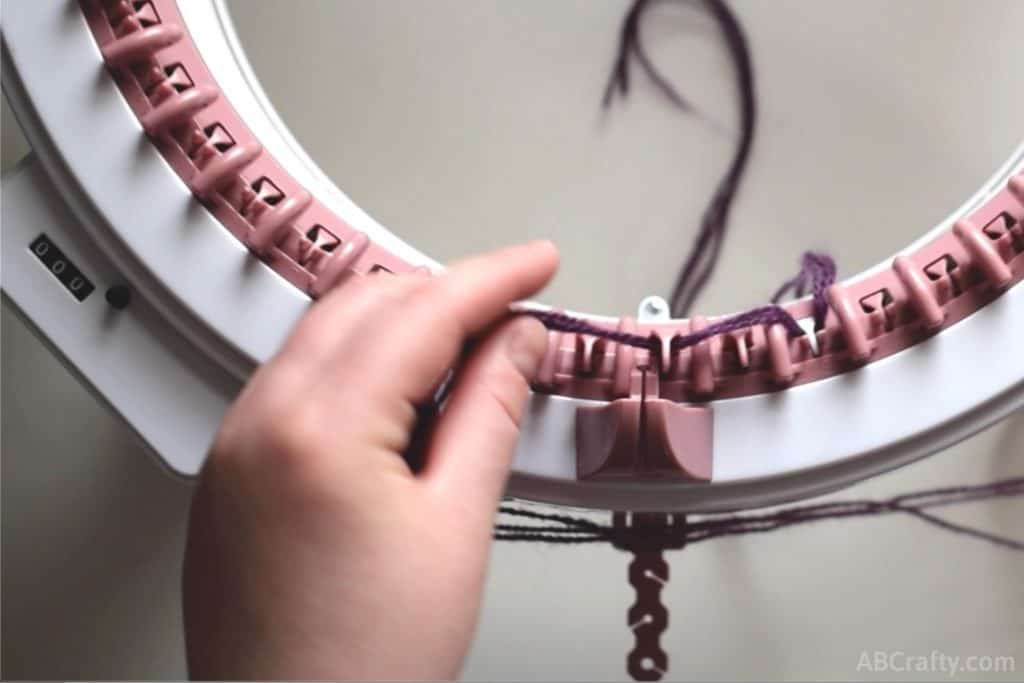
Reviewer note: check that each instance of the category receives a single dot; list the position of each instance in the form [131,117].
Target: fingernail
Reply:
[541,245]
[525,346]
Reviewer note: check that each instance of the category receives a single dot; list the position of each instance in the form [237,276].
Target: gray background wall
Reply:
[466,125]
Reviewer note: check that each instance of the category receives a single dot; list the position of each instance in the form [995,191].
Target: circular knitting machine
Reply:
[168,231]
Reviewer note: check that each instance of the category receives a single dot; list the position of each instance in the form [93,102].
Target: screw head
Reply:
[653,308]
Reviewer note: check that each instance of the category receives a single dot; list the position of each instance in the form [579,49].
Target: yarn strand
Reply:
[818,271]
[704,254]
[566,529]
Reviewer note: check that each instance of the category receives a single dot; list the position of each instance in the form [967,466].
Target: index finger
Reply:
[460,303]
[476,292]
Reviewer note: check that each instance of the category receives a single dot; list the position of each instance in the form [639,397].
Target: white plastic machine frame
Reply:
[206,312]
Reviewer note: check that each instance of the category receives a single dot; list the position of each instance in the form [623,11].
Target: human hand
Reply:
[314,552]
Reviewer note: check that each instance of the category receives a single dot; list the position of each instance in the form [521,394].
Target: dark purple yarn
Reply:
[560,322]
[630,46]
[765,315]
[566,529]
[819,271]
[703,257]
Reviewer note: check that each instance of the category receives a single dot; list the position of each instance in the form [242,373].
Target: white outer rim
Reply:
[92,146]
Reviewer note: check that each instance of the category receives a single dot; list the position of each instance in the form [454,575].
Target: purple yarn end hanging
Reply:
[819,271]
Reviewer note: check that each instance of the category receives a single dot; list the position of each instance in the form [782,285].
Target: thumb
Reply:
[472,445]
